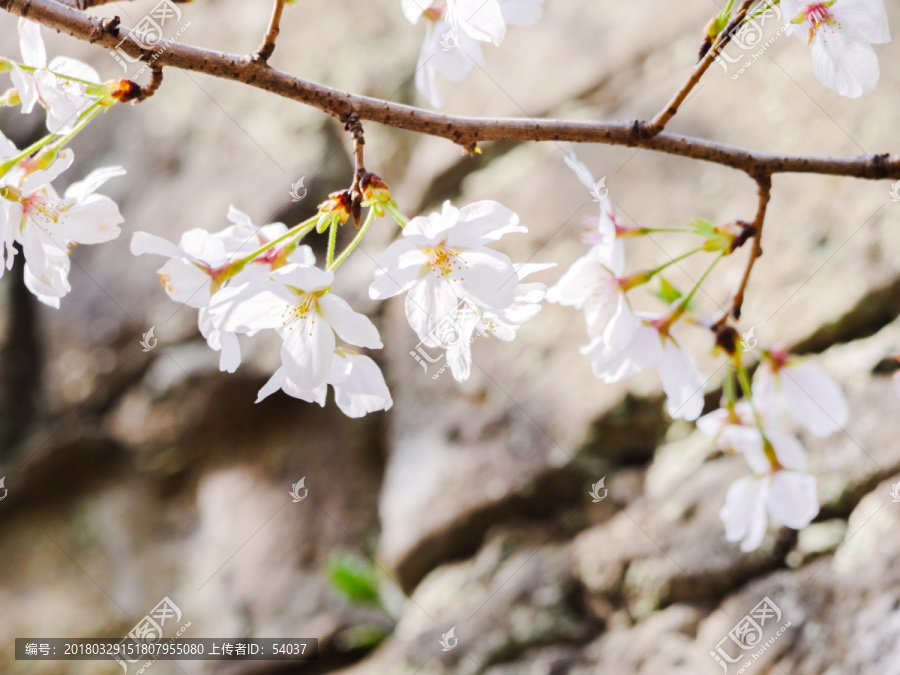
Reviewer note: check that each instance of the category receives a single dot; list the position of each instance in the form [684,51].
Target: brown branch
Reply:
[466,131]
[764,183]
[353,124]
[156,78]
[268,46]
[671,109]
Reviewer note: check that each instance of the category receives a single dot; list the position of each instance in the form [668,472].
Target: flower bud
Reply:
[334,210]
[5,65]
[10,97]
[729,237]
[119,91]
[376,193]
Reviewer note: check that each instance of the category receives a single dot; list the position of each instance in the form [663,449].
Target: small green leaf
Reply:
[355,578]
[702,227]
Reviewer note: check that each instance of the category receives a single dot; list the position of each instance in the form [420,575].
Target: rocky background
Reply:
[135,476]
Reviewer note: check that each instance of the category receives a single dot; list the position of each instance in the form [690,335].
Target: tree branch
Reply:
[764,183]
[466,131]
[671,109]
[268,45]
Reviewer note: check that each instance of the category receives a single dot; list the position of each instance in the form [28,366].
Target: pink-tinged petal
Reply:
[814,399]
[577,284]
[765,394]
[488,278]
[24,84]
[184,282]
[144,242]
[863,20]
[91,183]
[682,382]
[612,364]
[482,223]
[308,351]
[744,512]
[253,306]
[580,169]
[849,68]
[430,304]
[32,44]
[413,9]
[521,12]
[38,179]
[793,500]
[364,390]
[397,270]
[351,326]
[307,279]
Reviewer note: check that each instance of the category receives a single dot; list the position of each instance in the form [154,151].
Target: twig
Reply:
[156,78]
[268,46]
[764,183]
[465,131]
[353,124]
[671,109]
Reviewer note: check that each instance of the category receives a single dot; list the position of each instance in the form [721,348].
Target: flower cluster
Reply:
[840,34]
[33,216]
[780,487]
[456,30]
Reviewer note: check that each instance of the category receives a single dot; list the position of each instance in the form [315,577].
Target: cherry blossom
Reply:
[840,34]
[295,299]
[47,226]
[779,488]
[652,344]
[58,86]
[786,384]
[443,258]
[456,29]
[359,386]
[203,262]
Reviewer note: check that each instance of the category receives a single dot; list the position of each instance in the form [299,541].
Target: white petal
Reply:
[396,270]
[481,19]
[306,278]
[849,68]
[94,221]
[274,383]
[744,512]
[351,326]
[364,390]
[482,223]
[814,399]
[32,44]
[144,242]
[788,450]
[92,182]
[489,278]
[24,84]
[413,9]
[185,282]
[682,382]
[253,306]
[793,500]
[428,303]
[308,351]
[521,12]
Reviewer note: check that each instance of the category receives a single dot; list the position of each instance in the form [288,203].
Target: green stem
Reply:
[299,231]
[744,379]
[332,240]
[27,152]
[370,218]
[657,270]
[85,119]
[395,212]
[62,76]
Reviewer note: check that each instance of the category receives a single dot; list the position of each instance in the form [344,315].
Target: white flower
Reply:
[359,386]
[812,398]
[442,259]
[64,99]
[841,34]
[682,381]
[451,46]
[504,325]
[46,226]
[295,300]
[203,262]
[718,423]
[782,491]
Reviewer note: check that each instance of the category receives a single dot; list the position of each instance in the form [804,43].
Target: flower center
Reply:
[306,304]
[445,261]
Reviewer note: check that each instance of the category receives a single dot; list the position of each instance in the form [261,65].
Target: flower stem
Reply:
[370,218]
[395,212]
[332,240]
[657,270]
[27,152]
[685,301]
[299,231]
